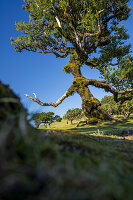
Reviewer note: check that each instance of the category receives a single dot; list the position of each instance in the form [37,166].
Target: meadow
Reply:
[119,127]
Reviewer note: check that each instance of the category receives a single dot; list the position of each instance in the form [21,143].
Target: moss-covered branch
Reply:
[108,88]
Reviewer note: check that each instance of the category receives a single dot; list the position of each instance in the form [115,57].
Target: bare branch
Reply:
[48,50]
[69,92]
[58,21]
[77,38]
[100,11]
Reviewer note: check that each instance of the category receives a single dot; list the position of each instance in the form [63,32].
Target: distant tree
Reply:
[89,33]
[57,118]
[37,123]
[75,113]
[38,116]
[46,118]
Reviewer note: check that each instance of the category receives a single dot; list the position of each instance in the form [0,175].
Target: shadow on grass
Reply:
[123,127]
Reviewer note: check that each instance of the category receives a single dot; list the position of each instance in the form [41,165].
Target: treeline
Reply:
[49,117]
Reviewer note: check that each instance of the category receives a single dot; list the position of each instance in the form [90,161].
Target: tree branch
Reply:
[69,92]
[48,50]
[123,98]
[73,38]
[90,64]
[94,34]
[113,64]
[101,84]
[108,88]
[125,91]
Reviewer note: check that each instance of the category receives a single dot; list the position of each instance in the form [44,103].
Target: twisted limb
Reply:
[69,92]
[90,105]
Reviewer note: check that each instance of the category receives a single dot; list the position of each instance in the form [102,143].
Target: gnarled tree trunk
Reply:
[90,105]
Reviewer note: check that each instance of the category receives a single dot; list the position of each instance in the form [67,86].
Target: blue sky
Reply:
[29,72]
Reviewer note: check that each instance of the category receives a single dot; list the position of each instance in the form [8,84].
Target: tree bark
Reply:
[90,105]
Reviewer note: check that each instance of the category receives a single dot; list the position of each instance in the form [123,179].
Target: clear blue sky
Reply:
[29,72]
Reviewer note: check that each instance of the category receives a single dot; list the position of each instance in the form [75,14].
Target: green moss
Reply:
[80,82]
[73,66]
[67,69]
[80,79]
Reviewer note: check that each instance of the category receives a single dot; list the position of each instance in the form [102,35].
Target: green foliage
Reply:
[45,118]
[113,108]
[57,118]
[75,113]
[43,32]
[67,69]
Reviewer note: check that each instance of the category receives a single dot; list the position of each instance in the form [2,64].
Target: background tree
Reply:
[127,108]
[119,108]
[111,107]
[57,118]
[75,113]
[37,122]
[46,118]
[89,32]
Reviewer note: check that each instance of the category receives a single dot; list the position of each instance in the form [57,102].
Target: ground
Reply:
[89,162]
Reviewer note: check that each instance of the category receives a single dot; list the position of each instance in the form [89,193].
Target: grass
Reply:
[88,162]
[119,127]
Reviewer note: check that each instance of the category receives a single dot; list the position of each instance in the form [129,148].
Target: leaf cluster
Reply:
[65,26]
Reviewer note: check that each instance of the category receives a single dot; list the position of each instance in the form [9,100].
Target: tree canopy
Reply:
[45,118]
[48,117]
[89,32]
[75,113]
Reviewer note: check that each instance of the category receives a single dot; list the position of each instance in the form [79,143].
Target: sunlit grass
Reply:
[116,129]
